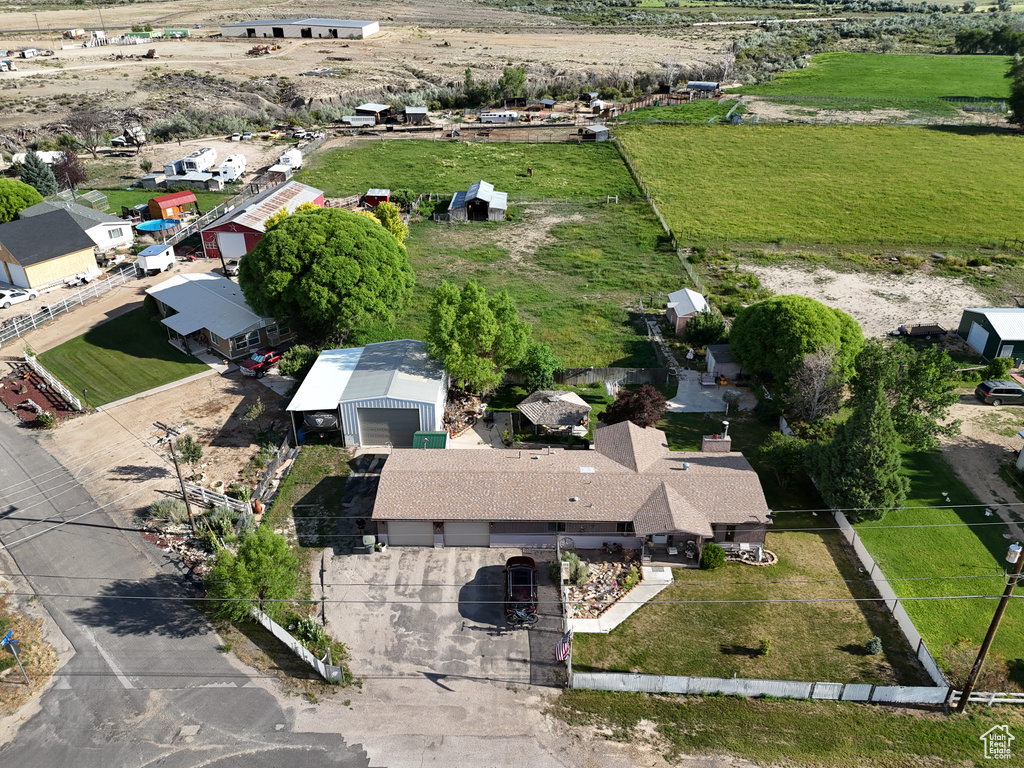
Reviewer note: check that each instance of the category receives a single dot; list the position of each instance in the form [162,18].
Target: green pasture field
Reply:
[854,185]
[694,112]
[890,76]
[571,270]
[121,357]
[923,556]
[130,198]
[445,167]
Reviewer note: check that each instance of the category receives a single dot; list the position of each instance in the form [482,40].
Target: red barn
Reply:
[236,232]
[173,206]
[375,197]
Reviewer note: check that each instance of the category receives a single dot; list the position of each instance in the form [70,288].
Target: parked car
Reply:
[300,134]
[1000,393]
[247,136]
[520,587]
[236,137]
[7,298]
[231,267]
[260,362]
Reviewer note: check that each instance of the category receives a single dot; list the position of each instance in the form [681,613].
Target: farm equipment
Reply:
[920,330]
[258,50]
[150,54]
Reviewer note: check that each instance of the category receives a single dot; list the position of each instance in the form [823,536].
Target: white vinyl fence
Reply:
[206,497]
[50,379]
[328,672]
[892,602]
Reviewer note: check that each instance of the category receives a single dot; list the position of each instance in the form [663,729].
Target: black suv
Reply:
[1000,393]
[521,590]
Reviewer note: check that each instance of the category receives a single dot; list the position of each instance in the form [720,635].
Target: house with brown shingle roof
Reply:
[629,487]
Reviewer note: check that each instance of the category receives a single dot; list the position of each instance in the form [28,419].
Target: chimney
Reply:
[716,444]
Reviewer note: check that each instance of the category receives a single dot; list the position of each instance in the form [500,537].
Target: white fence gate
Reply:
[206,497]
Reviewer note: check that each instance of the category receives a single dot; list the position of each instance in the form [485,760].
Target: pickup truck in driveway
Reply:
[260,361]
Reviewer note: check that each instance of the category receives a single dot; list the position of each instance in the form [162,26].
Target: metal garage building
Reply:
[994,332]
[310,28]
[379,394]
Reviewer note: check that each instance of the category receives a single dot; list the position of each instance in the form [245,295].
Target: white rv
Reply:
[232,168]
[292,158]
[201,160]
[503,116]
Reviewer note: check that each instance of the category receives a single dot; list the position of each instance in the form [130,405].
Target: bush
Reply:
[766,646]
[632,579]
[712,556]
[767,411]
[171,510]
[222,520]
[874,645]
[209,540]
[979,262]
[46,420]
[998,368]
[297,361]
[240,492]
[579,571]
[246,522]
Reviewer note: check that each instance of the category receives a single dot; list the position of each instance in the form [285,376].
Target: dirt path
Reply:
[988,437]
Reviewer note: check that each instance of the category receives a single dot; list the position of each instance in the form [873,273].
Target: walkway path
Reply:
[656,578]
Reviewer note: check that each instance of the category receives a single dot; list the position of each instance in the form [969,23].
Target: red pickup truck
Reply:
[260,362]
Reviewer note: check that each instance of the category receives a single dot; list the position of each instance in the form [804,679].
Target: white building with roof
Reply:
[379,394]
[682,305]
[994,331]
[207,310]
[313,28]
[106,230]
[479,203]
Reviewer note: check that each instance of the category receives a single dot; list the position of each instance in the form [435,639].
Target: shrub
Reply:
[46,420]
[579,571]
[979,262]
[874,645]
[712,556]
[240,492]
[766,646]
[246,522]
[171,510]
[222,520]
[998,368]
[632,579]
[208,539]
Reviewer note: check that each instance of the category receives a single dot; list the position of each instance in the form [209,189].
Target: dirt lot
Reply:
[423,45]
[879,302]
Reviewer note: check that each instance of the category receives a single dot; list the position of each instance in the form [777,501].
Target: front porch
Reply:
[676,550]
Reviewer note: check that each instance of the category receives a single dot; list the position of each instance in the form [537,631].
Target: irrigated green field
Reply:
[888,76]
[856,185]
[559,170]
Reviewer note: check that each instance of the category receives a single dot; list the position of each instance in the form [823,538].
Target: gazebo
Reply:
[556,411]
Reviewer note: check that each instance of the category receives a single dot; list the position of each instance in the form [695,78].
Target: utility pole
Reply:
[181,483]
[1012,556]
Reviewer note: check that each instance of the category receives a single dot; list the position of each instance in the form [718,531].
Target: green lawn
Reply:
[122,357]
[695,112]
[571,270]
[812,734]
[559,170]
[888,76]
[956,551]
[130,198]
[854,185]
[809,641]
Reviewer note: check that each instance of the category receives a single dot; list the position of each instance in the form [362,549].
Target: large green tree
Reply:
[706,327]
[917,386]
[327,269]
[36,173]
[1016,100]
[16,196]
[476,338]
[774,335]
[264,572]
[858,471]
[539,366]
[512,81]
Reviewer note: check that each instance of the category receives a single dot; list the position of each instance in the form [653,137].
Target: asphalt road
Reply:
[146,684]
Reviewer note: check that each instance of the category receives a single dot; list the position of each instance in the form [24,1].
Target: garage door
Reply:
[411,533]
[232,244]
[379,426]
[467,534]
[17,275]
[977,338]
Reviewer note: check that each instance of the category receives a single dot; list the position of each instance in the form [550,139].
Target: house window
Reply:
[272,330]
[556,527]
[116,233]
[624,527]
[214,338]
[244,341]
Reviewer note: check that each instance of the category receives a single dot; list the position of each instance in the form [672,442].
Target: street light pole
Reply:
[1012,556]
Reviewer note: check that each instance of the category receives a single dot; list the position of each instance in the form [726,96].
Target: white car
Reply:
[15,297]
[247,136]
[231,267]
[236,137]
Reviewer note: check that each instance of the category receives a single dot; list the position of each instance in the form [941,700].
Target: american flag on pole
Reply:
[564,646]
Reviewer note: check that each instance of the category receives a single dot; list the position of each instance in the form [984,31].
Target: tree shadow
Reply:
[971,130]
[123,609]
[855,649]
[480,599]
[739,650]
[139,473]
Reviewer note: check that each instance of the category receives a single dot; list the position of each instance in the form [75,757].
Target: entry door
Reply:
[978,337]
[232,244]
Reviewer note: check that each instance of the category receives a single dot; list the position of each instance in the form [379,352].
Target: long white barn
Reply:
[311,28]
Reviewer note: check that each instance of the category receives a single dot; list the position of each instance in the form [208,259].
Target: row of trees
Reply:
[1005,40]
[815,360]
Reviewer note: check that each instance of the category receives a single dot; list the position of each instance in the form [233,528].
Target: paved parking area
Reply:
[418,612]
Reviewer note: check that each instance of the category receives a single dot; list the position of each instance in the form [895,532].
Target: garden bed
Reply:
[25,385]
[608,583]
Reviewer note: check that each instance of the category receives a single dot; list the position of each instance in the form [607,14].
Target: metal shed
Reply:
[994,331]
[479,203]
[595,133]
[416,115]
[374,395]
[371,109]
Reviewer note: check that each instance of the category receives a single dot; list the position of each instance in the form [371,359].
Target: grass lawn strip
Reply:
[118,198]
[121,357]
[853,185]
[559,170]
[809,734]
[954,551]
[572,271]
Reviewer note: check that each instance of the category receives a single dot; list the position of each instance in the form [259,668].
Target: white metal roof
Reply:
[1007,322]
[205,301]
[154,250]
[302,22]
[377,192]
[373,107]
[400,370]
[415,110]
[256,210]
[686,302]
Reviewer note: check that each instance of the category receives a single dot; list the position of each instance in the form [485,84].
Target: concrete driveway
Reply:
[419,612]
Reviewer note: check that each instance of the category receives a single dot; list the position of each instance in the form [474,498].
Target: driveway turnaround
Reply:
[427,613]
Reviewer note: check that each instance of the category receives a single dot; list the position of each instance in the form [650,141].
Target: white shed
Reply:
[309,28]
[374,395]
[682,305]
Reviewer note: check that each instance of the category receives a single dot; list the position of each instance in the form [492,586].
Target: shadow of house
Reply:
[126,607]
